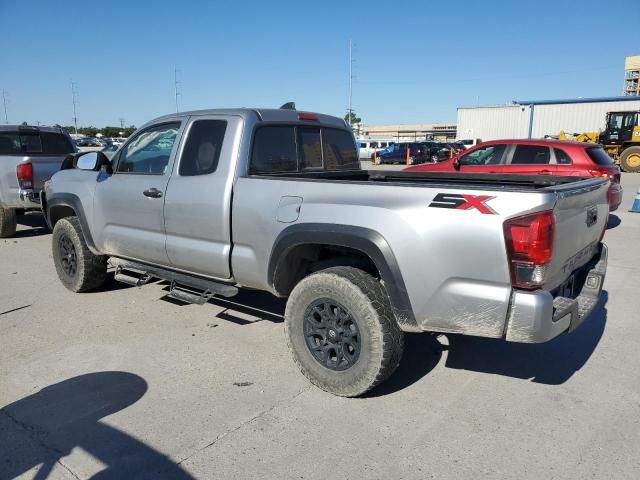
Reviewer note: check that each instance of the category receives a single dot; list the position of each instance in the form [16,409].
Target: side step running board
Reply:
[189,295]
[136,281]
[185,288]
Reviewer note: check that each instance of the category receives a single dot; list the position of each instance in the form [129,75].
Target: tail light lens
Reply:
[605,174]
[24,172]
[529,242]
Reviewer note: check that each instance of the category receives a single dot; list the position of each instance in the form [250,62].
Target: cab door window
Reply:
[149,151]
[201,152]
[489,155]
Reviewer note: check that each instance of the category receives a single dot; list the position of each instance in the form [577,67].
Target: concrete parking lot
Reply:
[123,383]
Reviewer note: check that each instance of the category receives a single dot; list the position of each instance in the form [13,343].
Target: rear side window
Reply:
[561,157]
[274,150]
[599,156]
[531,155]
[289,148]
[338,150]
[202,150]
[55,143]
[48,143]
[9,143]
[310,148]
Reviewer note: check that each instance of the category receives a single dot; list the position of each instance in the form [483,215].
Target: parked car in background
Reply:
[91,142]
[29,156]
[536,157]
[110,150]
[397,153]
[432,151]
[366,147]
[469,142]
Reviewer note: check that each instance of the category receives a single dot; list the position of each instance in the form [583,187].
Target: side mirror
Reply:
[456,163]
[92,161]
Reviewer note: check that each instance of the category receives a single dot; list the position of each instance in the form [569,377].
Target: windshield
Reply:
[615,121]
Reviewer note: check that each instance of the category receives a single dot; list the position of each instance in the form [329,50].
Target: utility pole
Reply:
[4,102]
[175,86]
[74,95]
[350,81]
[121,122]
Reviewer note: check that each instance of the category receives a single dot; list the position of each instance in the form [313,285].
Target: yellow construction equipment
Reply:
[620,138]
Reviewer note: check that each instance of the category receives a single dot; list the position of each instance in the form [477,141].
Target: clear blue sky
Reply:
[413,61]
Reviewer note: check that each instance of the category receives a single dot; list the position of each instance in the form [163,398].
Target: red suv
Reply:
[535,157]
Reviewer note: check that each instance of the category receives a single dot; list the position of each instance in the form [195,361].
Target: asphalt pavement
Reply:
[125,383]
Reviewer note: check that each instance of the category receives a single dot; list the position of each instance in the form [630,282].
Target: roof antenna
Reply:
[288,106]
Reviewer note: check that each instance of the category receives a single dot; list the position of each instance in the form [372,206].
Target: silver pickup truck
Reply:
[275,200]
[29,155]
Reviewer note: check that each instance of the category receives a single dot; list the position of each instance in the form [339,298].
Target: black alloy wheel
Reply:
[68,257]
[331,334]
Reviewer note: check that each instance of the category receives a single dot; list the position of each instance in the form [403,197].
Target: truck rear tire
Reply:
[7,222]
[630,160]
[342,332]
[77,267]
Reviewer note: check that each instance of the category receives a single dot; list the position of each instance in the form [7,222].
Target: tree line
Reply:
[105,131]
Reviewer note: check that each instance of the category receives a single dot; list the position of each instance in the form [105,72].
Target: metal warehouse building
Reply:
[537,118]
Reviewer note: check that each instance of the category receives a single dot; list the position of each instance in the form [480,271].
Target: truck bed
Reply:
[442,179]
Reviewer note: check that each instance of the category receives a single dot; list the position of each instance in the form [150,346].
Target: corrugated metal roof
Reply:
[575,100]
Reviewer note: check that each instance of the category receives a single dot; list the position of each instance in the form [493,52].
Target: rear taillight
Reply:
[24,172]
[529,241]
[602,173]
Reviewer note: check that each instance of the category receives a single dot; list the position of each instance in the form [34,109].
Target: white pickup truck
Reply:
[29,155]
[218,200]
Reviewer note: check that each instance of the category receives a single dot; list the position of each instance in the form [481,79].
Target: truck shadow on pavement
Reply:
[35,222]
[551,363]
[255,304]
[46,426]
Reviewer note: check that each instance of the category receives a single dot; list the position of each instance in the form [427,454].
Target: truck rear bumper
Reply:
[28,199]
[538,316]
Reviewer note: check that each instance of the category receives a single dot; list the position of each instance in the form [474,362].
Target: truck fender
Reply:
[60,205]
[364,240]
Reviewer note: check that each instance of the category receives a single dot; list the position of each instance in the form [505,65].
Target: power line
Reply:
[74,95]
[175,86]
[4,102]
[349,110]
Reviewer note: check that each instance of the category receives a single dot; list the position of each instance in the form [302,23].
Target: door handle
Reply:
[545,172]
[152,193]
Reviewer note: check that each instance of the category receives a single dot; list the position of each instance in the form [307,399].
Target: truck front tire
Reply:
[342,332]
[77,267]
[630,159]
[7,222]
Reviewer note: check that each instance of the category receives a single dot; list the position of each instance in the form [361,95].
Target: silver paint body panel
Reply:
[224,225]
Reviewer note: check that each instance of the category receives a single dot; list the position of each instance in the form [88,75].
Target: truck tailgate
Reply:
[581,214]
[44,166]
